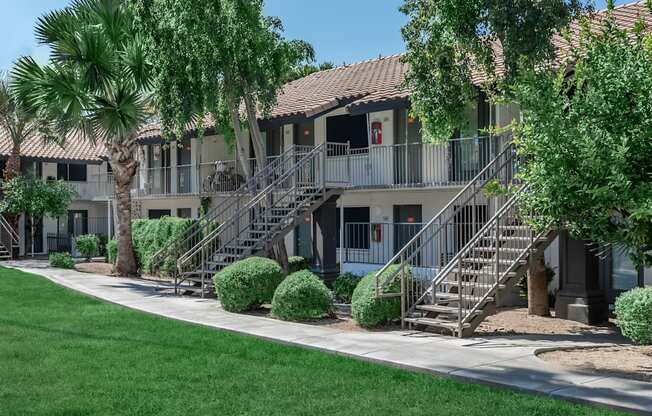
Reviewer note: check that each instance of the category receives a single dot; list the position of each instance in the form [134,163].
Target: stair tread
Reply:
[440,309]
[437,322]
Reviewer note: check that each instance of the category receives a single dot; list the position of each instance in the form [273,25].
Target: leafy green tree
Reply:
[96,87]
[449,42]
[587,139]
[305,69]
[36,198]
[20,125]
[217,58]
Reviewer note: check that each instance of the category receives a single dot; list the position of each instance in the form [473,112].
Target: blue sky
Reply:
[340,30]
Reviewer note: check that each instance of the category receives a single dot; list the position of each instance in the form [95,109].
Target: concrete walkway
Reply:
[502,361]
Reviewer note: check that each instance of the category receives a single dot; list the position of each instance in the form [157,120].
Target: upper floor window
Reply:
[71,172]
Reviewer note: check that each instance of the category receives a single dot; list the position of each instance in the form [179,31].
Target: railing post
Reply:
[459,296]
[497,272]
[348,161]
[404,293]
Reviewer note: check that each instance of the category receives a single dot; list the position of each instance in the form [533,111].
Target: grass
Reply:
[62,353]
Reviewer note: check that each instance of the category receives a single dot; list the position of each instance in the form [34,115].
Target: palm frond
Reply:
[137,68]
[120,114]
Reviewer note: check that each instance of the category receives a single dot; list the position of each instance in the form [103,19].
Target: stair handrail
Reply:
[202,223]
[15,238]
[509,148]
[214,234]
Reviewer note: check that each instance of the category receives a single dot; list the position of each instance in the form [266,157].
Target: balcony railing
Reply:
[452,163]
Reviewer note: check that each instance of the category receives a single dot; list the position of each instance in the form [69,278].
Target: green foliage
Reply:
[88,245]
[344,286]
[36,198]
[449,42]
[62,260]
[248,283]
[112,251]
[369,311]
[298,263]
[301,296]
[210,55]
[634,314]
[586,140]
[149,236]
[494,188]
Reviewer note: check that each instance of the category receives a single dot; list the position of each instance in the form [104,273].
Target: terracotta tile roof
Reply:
[75,150]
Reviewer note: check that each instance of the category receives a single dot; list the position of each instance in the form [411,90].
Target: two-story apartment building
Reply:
[393,181]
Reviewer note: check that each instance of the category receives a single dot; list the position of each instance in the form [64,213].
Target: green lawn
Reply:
[62,353]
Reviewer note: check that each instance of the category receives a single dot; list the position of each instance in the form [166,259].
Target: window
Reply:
[32,168]
[624,274]
[356,220]
[155,214]
[184,212]
[71,172]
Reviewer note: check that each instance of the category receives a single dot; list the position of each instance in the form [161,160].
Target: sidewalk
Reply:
[501,361]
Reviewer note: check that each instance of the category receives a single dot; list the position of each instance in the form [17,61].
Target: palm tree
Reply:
[19,125]
[96,87]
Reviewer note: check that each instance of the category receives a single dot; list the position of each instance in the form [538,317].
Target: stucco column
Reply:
[324,241]
[580,297]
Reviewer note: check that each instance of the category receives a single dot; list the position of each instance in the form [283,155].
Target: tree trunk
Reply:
[12,170]
[537,286]
[124,169]
[281,254]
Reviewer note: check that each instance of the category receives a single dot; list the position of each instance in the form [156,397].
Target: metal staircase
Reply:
[251,223]
[164,261]
[9,239]
[451,272]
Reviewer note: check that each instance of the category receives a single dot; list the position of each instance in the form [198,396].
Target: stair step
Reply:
[434,322]
[452,297]
[483,260]
[449,310]
[502,249]
[515,227]
[455,283]
[507,238]
[480,272]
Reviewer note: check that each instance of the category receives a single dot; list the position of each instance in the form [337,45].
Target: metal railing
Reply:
[452,163]
[167,256]
[9,238]
[472,206]
[255,224]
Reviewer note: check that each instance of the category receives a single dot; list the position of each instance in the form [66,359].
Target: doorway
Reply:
[407,223]
[408,163]
[38,235]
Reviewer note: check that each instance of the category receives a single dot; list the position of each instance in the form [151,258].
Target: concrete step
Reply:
[442,309]
[437,323]
[482,260]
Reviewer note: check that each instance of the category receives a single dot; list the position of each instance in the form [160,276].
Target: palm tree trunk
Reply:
[12,170]
[124,169]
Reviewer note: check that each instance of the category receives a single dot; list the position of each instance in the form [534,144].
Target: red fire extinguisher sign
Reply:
[376,132]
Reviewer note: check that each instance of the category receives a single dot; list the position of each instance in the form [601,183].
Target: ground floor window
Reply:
[184,212]
[155,214]
[624,275]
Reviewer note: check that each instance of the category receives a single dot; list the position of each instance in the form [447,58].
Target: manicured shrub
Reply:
[62,261]
[149,236]
[112,251]
[297,263]
[301,296]
[634,314]
[88,245]
[369,311]
[344,286]
[248,283]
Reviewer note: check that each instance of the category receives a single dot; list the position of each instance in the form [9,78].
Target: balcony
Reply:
[412,165]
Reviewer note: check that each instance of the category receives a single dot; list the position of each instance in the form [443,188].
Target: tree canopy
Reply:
[586,138]
[36,198]
[450,41]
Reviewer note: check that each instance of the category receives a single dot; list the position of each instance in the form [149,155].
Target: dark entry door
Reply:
[408,161]
[407,223]
[303,240]
[468,221]
[77,223]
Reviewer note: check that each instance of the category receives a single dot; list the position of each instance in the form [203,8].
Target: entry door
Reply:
[408,163]
[468,221]
[77,223]
[303,240]
[407,223]
[159,173]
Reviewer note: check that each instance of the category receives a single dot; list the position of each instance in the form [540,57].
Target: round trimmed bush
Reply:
[301,296]
[634,314]
[248,283]
[61,261]
[369,311]
[88,245]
